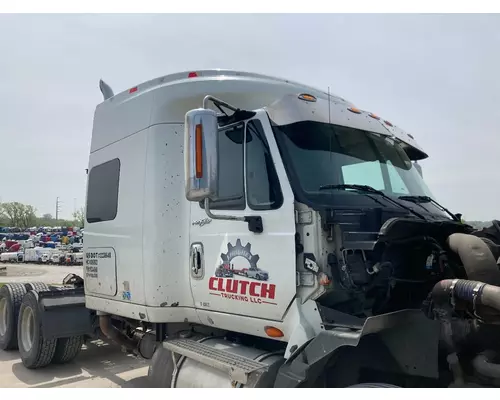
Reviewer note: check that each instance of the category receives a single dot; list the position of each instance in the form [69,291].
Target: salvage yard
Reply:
[50,274]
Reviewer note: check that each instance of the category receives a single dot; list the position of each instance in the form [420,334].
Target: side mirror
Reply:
[200,155]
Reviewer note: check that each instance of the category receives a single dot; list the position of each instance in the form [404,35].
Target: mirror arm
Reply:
[215,100]
[254,221]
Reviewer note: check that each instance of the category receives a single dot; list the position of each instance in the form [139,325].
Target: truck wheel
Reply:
[35,350]
[11,296]
[373,385]
[38,286]
[67,349]
[161,368]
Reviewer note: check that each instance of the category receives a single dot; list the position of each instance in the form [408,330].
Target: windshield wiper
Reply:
[369,189]
[427,199]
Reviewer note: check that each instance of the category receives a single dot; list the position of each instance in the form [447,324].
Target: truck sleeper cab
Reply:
[277,143]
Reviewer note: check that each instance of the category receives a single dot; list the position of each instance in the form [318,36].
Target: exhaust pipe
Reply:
[112,333]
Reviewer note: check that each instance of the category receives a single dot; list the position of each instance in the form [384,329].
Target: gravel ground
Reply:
[49,274]
[99,365]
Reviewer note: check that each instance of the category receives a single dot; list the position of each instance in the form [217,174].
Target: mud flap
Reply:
[64,313]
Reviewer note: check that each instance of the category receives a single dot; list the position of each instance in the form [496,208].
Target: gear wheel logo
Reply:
[226,268]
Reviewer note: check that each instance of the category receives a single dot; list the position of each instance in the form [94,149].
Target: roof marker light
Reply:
[134,89]
[388,123]
[307,97]
[192,75]
[374,116]
[354,110]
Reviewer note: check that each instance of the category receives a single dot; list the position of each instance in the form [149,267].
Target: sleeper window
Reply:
[102,194]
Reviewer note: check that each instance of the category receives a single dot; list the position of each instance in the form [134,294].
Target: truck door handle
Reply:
[197,260]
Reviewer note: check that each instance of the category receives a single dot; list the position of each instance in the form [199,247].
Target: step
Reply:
[236,366]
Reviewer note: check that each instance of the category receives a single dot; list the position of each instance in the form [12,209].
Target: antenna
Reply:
[329,123]
[331,135]
[329,118]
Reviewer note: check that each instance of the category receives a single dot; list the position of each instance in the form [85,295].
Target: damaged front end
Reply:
[415,304]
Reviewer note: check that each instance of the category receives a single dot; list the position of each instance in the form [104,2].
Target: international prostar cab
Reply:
[249,231]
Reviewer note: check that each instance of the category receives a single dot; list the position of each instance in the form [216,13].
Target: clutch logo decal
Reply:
[253,287]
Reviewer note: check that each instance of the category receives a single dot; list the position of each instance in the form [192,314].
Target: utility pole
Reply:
[57,208]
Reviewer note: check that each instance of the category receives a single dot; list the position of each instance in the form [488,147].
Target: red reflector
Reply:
[134,89]
[192,75]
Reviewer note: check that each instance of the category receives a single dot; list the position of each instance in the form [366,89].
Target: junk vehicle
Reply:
[7,257]
[34,255]
[369,280]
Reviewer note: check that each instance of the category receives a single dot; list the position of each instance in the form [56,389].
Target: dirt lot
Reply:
[98,365]
[34,272]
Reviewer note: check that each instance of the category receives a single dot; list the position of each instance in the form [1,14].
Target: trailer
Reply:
[9,257]
[249,231]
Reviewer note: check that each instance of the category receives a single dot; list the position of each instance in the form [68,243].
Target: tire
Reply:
[67,349]
[161,368]
[257,277]
[11,296]
[35,350]
[374,385]
[38,286]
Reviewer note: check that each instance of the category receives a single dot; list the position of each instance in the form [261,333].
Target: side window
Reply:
[102,194]
[397,183]
[364,173]
[231,183]
[263,188]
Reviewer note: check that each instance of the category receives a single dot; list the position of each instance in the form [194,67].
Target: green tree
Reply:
[18,214]
[79,217]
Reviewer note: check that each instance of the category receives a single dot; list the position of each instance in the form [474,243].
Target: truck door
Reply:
[233,269]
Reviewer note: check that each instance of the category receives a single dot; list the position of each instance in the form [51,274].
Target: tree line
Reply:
[24,216]
[19,215]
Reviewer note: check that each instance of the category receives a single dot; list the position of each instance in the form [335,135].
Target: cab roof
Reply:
[166,100]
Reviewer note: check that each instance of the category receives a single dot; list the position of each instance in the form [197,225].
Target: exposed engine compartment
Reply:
[445,268]
[392,269]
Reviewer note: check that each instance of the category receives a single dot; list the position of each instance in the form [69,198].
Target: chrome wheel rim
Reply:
[4,316]
[27,328]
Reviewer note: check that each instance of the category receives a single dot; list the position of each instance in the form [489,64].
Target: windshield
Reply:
[318,154]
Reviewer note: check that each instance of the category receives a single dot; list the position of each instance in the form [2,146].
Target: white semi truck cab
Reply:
[256,232]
